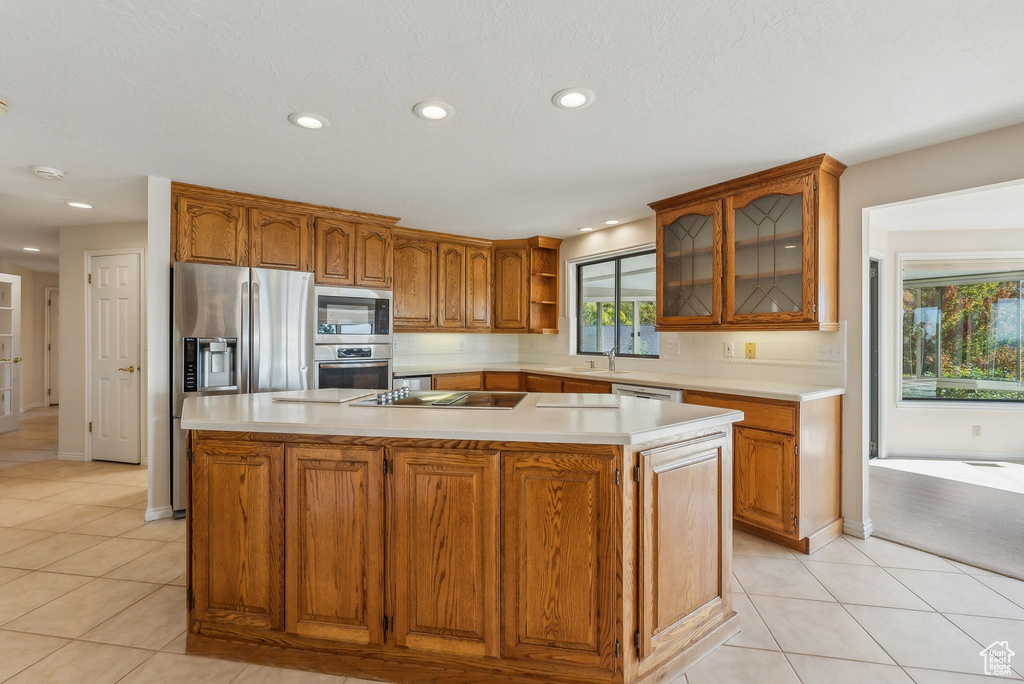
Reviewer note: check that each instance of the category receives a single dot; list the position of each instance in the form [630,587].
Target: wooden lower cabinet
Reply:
[334,579]
[446,560]
[533,382]
[503,381]
[570,385]
[457,381]
[765,485]
[238,550]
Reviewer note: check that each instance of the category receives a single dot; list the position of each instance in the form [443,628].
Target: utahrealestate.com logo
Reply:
[997,659]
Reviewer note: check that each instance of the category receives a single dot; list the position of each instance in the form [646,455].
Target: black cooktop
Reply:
[443,399]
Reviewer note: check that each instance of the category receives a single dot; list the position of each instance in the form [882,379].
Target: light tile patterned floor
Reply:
[91,593]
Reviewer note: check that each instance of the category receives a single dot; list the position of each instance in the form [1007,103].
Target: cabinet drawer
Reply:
[503,382]
[542,383]
[586,386]
[457,381]
[759,413]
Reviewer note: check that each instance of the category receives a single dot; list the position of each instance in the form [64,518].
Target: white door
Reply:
[52,344]
[114,354]
[10,347]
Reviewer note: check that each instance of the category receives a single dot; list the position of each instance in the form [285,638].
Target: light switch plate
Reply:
[729,350]
[751,350]
[673,347]
[831,352]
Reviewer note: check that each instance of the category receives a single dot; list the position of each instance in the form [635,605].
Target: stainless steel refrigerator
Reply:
[236,330]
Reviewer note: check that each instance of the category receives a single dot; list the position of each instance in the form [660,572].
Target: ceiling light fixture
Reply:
[433,110]
[612,222]
[48,173]
[585,229]
[3,107]
[79,205]
[31,249]
[572,98]
[310,121]
[789,247]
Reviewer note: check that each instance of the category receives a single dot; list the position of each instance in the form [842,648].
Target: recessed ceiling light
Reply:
[79,205]
[572,98]
[585,229]
[612,222]
[31,249]
[433,110]
[310,121]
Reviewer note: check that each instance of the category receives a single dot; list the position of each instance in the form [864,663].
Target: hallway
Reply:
[35,440]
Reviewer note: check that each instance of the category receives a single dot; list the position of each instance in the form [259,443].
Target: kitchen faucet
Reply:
[611,358]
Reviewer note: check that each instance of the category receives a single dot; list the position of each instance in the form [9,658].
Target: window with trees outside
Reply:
[616,305]
[962,323]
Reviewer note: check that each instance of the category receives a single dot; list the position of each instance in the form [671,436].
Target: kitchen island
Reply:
[459,544]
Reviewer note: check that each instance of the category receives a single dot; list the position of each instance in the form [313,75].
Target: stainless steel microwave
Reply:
[347,315]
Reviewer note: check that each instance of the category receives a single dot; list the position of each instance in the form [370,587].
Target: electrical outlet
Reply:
[730,350]
[673,348]
[976,431]
[751,350]
[462,346]
[831,352]
[533,344]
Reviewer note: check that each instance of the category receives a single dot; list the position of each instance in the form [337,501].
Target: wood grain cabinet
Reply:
[571,385]
[334,252]
[478,287]
[503,381]
[558,594]
[415,295]
[787,462]
[334,500]
[373,256]
[237,511]
[451,285]
[759,252]
[446,531]
[210,230]
[457,381]
[279,239]
[535,382]
[511,287]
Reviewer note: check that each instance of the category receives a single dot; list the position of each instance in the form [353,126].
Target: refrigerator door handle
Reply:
[254,359]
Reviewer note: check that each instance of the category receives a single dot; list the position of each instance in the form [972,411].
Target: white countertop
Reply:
[765,389]
[636,421]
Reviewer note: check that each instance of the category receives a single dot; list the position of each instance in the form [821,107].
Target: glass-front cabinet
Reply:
[690,265]
[755,253]
[769,253]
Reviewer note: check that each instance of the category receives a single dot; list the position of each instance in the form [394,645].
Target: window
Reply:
[961,337]
[616,306]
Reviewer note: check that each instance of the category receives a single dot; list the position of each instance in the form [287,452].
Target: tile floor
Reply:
[89,592]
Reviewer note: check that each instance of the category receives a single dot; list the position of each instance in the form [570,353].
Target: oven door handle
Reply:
[343,364]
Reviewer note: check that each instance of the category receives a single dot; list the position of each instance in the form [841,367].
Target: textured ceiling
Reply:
[687,93]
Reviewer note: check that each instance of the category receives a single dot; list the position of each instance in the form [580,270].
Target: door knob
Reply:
[17,359]
[130,369]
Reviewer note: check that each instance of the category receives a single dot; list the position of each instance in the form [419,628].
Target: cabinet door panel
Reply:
[764,487]
[586,386]
[279,239]
[557,525]
[373,256]
[238,534]
[211,231]
[446,550]
[334,252]
[542,383]
[681,524]
[511,288]
[503,382]
[770,253]
[690,265]
[457,381]
[415,283]
[451,285]
[335,569]
[478,287]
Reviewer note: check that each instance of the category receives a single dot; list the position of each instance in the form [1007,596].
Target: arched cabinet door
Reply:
[689,257]
[335,251]
[415,282]
[211,231]
[451,286]
[279,239]
[373,256]
[511,288]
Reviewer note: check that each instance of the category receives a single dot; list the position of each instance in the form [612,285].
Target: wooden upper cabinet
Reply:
[478,287]
[415,298]
[511,288]
[335,546]
[446,555]
[689,258]
[759,252]
[210,230]
[765,479]
[279,239]
[334,250]
[373,256]
[559,597]
[238,534]
[683,519]
[451,285]
[770,272]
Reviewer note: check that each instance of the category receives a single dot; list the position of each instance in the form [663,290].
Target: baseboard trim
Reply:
[159,513]
[71,456]
[951,455]
[29,407]
[862,529]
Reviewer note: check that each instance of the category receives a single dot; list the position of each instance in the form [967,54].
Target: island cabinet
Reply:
[786,484]
[414,560]
[759,252]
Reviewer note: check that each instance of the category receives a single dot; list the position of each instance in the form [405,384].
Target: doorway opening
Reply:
[52,341]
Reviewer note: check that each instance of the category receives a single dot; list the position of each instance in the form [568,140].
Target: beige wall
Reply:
[33,332]
[74,242]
